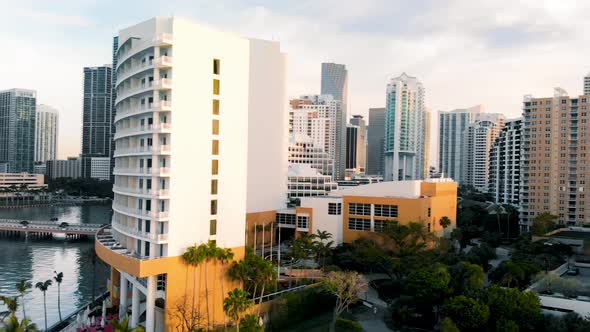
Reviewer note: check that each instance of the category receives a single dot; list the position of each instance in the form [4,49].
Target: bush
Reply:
[387,289]
[250,324]
[292,308]
[347,325]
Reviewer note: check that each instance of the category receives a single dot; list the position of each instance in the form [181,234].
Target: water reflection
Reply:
[36,259]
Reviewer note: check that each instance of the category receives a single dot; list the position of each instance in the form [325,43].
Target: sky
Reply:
[465,52]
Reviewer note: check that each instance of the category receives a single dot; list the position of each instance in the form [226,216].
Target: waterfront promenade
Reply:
[42,227]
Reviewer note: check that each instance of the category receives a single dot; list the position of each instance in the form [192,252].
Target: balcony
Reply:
[159,62]
[154,193]
[141,45]
[161,84]
[137,213]
[158,238]
[115,254]
[142,130]
[123,113]
[142,171]
[142,150]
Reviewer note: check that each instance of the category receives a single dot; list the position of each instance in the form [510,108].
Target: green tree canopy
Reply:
[429,285]
[467,313]
[544,223]
[466,277]
[510,304]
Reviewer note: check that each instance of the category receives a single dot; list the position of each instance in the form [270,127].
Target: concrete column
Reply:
[123,297]
[135,306]
[150,302]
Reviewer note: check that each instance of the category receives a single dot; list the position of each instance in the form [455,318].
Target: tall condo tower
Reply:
[96,116]
[200,149]
[375,141]
[46,131]
[505,164]
[405,130]
[17,129]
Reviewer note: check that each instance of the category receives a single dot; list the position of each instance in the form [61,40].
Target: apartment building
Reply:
[193,104]
[554,170]
[505,162]
[302,150]
[305,181]
[375,141]
[17,129]
[405,130]
[46,132]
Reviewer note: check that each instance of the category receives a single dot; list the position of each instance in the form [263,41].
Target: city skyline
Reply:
[447,58]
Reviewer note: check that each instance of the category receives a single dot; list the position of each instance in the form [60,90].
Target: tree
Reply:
[43,286]
[345,286]
[187,319]
[12,324]
[445,222]
[235,304]
[303,248]
[22,287]
[544,223]
[467,313]
[11,303]
[250,324]
[429,285]
[510,304]
[59,277]
[447,325]
[123,326]
[322,246]
[466,277]
[224,255]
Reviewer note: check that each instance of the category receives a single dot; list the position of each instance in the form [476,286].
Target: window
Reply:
[302,222]
[216,66]
[385,210]
[215,107]
[147,249]
[212,227]
[214,167]
[286,219]
[148,224]
[335,208]
[215,127]
[359,209]
[216,87]
[215,147]
[357,224]
[379,225]
[213,187]
[429,211]
[213,207]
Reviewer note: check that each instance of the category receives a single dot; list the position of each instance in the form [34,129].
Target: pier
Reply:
[47,229]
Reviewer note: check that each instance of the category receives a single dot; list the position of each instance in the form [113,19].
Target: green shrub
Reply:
[292,308]
[347,325]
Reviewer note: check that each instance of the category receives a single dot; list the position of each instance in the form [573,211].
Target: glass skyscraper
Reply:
[17,129]
[335,81]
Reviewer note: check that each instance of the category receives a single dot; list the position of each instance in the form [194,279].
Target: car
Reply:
[573,272]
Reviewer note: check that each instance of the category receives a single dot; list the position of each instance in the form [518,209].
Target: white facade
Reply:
[505,164]
[46,132]
[193,144]
[323,119]
[479,138]
[451,139]
[70,168]
[305,181]
[405,130]
[322,219]
[586,85]
[302,150]
[100,168]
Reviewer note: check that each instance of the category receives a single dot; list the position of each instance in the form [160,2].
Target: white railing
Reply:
[138,46]
[142,170]
[147,192]
[141,130]
[140,213]
[135,232]
[143,149]
[153,107]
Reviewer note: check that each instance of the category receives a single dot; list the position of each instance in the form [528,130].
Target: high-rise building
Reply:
[587,85]
[70,168]
[177,180]
[479,137]
[360,155]
[96,115]
[427,161]
[17,129]
[113,109]
[405,130]
[322,118]
[46,132]
[375,141]
[352,142]
[451,139]
[302,150]
[505,161]
[554,167]
[335,81]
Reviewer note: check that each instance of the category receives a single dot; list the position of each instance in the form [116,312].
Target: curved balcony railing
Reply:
[154,149]
[164,83]
[143,192]
[136,233]
[142,171]
[142,130]
[159,62]
[123,113]
[134,212]
[125,54]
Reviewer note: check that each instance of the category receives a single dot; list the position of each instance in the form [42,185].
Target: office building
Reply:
[96,116]
[302,150]
[363,211]
[322,118]
[554,167]
[46,132]
[39,168]
[427,128]
[306,181]
[452,128]
[479,138]
[405,130]
[177,180]
[504,174]
[335,82]
[356,151]
[376,141]
[22,180]
[586,89]
[113,109]
[352,133]
[100,168]
[17,129]
[70,168]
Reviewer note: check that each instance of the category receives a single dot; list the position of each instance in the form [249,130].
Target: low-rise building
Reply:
[70,168]
[100,168]
[306,181]
[18,180]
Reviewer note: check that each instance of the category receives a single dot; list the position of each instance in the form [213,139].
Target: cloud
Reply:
[48,18]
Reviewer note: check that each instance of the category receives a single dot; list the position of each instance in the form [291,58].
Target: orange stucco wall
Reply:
[263,219]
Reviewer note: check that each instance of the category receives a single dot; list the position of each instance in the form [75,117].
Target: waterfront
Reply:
[36,259]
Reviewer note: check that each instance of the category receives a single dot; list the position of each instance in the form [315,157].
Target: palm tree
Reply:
[209,252]
[59,277]
[235,304]
[264,273]
[193,256]
[22,287]
[322,246]
[43,286]
[12,305]
[224,255]
[11,324]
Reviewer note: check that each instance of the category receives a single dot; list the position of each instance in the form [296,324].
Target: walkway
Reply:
[47,227]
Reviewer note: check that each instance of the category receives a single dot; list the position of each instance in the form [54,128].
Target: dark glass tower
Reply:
[17,129]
